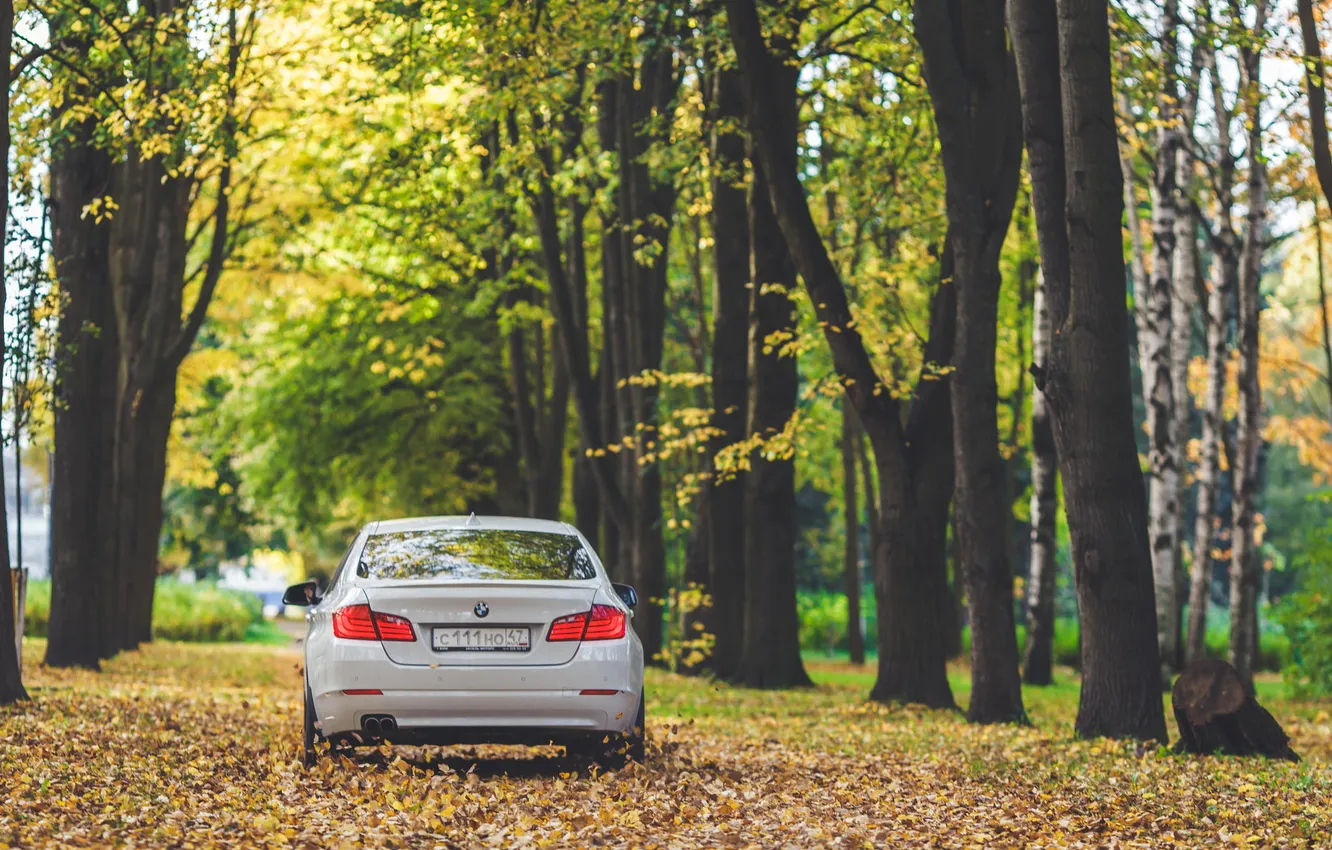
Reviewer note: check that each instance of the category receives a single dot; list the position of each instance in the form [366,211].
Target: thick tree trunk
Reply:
[146,272]
[730,372]
[771,654]
[11,681]
[911,657]
[973,87]
[912,599]
[1245,569]
[1087,382]
[851,529]
[1038,663]
[140,541]
[83,578]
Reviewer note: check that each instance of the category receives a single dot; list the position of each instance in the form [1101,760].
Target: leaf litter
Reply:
[195,746]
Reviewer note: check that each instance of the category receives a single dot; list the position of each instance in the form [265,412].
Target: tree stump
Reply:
[1217,713]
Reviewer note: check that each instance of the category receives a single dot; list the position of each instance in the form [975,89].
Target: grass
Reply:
[198,744]
[202,612]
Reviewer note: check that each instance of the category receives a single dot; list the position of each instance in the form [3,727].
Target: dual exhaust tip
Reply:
[379,724]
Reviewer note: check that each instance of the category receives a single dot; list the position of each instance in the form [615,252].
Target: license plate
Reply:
[506,639]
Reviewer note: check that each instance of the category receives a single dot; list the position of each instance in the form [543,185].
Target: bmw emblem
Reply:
[481,609]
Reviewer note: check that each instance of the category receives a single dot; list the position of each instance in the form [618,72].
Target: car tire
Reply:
[310,754]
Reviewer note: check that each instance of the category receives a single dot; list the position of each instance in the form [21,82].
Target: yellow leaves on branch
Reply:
[1310,436]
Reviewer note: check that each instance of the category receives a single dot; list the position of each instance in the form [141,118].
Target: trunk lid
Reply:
[454,605]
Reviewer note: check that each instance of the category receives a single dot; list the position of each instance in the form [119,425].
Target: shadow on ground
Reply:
[489,763]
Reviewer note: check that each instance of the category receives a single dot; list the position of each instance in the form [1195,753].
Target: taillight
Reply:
[394,628]
[568,628]
[354,623]
[358,622]
[606,623]
[603,622]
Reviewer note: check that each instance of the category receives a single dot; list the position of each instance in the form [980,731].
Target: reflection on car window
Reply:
[455,554]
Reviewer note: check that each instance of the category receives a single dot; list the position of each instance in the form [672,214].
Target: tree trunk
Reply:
[1181,351]
[83,580]
[147,274]
[730,373]
[1323,306]
[1158,373]
[646,206]
[972,85]
[523,413]
[910,577]
[142,538]
[1219,295]
[1245,569]
[607,413]
[771,654]
[1087,381]
[1038,664]
[851,529]
[1315,86]
[11,681]
[1221,291]
[1217,713]
[1187,271]
[1315,82]
[912,599]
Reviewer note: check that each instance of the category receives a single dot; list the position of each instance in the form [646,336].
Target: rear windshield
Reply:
[455,554]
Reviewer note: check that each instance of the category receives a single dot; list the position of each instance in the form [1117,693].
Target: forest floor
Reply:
[191,745]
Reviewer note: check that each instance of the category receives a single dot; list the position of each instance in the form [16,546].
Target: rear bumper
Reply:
[508,716]
[476,702]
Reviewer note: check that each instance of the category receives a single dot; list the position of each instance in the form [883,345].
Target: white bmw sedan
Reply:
[469,630]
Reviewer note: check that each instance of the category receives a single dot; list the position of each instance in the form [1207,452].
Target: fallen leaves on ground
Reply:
[194,746]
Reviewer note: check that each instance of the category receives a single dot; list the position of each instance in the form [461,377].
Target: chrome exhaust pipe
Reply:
[372,725]
[388,725]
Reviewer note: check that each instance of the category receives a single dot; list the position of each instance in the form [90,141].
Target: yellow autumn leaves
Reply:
[190,745]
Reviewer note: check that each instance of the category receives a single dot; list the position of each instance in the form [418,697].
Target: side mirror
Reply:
[628,594]
[303,594]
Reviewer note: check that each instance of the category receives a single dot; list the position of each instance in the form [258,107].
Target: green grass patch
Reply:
[192,613]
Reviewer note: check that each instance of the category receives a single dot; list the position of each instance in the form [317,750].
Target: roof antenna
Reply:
[472,520]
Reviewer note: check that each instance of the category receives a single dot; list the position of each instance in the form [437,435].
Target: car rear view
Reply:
[477,630]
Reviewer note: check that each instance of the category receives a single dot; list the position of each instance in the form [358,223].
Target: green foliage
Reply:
[201,613]
[823,620]
[1307,619]
[823,631]
[37,609]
